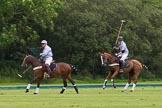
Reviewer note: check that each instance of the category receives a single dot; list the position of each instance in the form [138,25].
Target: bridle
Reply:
[25,63]
[105,60]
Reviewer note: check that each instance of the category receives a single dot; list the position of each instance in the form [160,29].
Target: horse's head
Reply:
[105,58]
[26,61]
[29,59]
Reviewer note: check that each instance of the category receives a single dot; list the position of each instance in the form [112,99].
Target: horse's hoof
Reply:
[122,90]
[104,87]
[35,93]
[61,92]
[27,90]
[77,92]
[131,90]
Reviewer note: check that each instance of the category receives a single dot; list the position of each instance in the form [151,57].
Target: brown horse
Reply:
[134,69]
[62,69]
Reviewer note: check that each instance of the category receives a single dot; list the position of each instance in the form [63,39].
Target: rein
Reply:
[111,61]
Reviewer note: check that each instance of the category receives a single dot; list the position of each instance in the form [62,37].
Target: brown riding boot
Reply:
[121,66]
[48,71]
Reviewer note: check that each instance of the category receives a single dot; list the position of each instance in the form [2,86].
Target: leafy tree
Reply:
[78,29]
[24,21]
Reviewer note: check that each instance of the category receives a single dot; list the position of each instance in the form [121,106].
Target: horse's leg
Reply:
[29,85]
[136,74]
[38,85]
[65,85]
[107,78]
[129,81]
[113,83]
[112,78]
[73,83]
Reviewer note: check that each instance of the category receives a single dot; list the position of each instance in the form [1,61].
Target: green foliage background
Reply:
[78,29]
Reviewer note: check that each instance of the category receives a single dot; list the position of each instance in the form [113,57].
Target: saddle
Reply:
[126,62]
[53,67]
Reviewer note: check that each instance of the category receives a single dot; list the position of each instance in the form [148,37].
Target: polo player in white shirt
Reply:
[46,55]
[124,50]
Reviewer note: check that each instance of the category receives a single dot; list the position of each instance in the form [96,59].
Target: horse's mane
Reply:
[109,54]
[111,57]
[34,57]
[34,60]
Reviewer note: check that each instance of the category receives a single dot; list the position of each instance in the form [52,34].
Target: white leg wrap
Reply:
[64,88]
[37,90]
[126,86]
[28,87]
[134,85]
[112,80]
[104,86]
[104,83]
[74,85]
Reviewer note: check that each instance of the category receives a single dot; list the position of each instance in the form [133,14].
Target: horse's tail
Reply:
[74,68]
[144,66]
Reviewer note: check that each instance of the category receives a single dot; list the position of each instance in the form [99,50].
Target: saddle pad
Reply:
[53,67]
[114,64]
[126,64]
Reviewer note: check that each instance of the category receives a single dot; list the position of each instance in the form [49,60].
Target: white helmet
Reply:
[120,38]
[44,42]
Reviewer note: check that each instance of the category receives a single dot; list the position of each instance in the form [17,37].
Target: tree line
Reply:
[78,29]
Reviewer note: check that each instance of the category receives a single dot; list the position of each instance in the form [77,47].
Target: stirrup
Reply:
[46,75]
[121,71]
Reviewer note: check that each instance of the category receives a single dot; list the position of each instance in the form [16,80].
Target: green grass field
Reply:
[142,97]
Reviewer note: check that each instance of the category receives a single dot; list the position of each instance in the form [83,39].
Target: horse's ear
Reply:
[101,53]
[26,55]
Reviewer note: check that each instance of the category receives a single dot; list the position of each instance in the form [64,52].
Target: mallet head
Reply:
[19,75]
[122,20]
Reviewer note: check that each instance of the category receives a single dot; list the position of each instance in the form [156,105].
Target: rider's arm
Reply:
[123,47]
[118,54]
[45,52]
[123,51]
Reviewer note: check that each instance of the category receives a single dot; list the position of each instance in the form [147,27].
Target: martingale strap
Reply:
[114,64]
[38,67]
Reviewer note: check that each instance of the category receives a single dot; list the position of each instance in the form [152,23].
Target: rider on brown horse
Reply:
[121,51]
[46,56]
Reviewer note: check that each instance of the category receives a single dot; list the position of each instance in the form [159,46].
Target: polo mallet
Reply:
[122,21]
[20,75]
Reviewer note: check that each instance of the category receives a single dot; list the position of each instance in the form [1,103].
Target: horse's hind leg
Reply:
[129,81]
[38,85]
[73,83]
[136,74]
[65,85]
